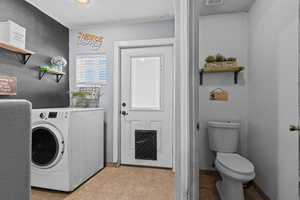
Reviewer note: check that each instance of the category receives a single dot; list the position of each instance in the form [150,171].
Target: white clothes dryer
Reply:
[67,147]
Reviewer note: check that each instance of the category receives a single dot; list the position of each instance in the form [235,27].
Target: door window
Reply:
[145,83]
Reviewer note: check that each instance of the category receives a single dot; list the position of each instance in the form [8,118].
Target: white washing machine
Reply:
[67,147]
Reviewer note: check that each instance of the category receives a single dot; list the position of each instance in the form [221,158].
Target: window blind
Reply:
[91,69]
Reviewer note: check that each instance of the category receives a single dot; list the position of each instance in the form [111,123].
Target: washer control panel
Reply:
[53,115]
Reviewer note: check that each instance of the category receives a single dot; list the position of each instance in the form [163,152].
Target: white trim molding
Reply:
[118,46]
[187,86]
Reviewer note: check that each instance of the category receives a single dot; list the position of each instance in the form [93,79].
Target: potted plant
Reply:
[220,59]
[231,62]
[79,99]
[210,61]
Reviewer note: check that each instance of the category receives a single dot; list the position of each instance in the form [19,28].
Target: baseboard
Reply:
[256,187]
[111,164]
[208,172]
[260,191]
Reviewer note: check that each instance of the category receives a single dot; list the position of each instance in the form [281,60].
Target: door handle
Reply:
[124,113]
[293,128]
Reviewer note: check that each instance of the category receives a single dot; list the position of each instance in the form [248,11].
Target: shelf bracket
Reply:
[58,77]
[201,78]
[41,74]
[24,58]
[236,76]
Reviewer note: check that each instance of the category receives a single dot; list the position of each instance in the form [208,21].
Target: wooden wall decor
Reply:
[87,39]
[8,85]
[218,95]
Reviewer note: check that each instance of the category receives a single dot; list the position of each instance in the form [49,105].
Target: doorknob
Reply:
[294,128]
[124,113]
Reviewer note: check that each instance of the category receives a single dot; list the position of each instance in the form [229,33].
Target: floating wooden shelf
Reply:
[235,70]
[26,54]
[59,75]
[8,93]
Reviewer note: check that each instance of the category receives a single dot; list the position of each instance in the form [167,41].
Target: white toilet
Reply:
[233,168]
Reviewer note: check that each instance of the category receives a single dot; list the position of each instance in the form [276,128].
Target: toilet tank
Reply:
[223,136]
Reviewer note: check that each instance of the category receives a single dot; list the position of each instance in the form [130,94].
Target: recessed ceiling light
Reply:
[83,1]
[214,2]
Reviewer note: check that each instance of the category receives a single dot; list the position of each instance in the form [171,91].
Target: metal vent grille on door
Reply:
[146,144]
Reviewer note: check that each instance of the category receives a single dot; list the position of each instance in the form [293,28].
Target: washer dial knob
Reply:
[43,115]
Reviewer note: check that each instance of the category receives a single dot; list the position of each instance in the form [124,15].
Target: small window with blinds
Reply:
[91,69]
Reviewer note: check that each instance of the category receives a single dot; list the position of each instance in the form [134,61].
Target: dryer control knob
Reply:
[43,115]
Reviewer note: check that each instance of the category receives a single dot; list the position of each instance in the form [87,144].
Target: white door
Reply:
[288,113]
[288,86]
[147,106]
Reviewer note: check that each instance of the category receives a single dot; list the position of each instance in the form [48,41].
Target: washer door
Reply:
[47,146]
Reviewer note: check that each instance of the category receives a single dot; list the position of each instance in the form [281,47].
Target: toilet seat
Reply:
[235,163]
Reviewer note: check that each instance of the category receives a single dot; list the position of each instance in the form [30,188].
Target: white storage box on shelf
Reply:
[13,34]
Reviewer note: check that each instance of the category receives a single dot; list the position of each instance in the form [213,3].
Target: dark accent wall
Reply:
[47,38]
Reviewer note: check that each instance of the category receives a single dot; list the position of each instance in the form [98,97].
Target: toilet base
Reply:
[230,189]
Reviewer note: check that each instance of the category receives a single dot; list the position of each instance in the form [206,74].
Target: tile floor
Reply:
[136,183]
[208,190]
[124,183]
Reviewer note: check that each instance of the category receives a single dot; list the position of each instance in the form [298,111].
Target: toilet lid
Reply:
[235,162]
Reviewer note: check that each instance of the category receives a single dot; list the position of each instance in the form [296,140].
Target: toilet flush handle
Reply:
[293,128]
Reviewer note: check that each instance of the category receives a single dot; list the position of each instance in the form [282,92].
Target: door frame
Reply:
[118,46]
[187,181]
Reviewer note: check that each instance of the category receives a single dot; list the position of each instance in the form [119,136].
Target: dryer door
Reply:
[47,146]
